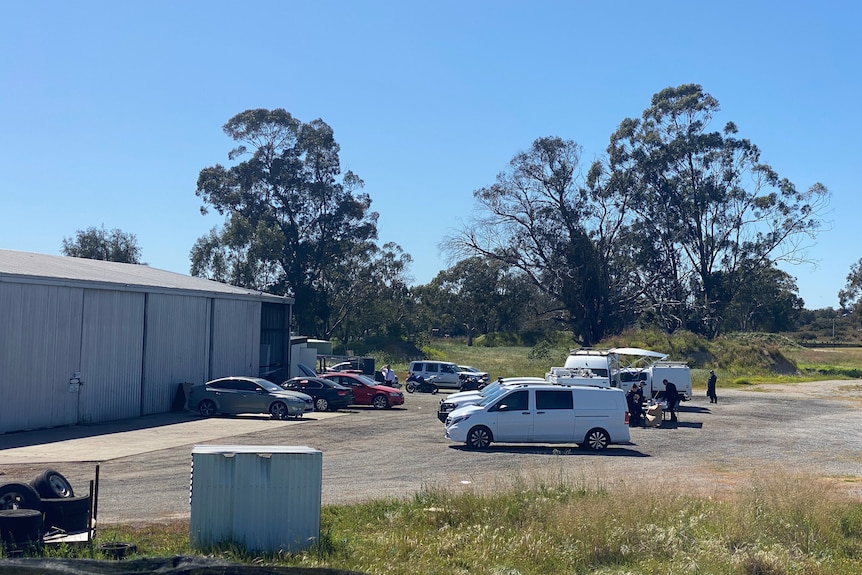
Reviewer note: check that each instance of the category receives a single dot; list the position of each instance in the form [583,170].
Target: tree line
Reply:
[678,225]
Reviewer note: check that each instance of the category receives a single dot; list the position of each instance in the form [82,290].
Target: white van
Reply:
[445,373]
[528,413]
[461,398]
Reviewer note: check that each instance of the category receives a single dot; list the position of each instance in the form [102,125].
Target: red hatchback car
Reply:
[366,391]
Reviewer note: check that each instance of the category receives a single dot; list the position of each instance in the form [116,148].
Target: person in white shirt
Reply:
[388,375]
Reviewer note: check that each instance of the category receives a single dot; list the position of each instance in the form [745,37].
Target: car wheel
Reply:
[597,439]
[320,404]
[380,402]
[19,496]
[207,408]
[411,387]
[278,410]
[50,484]
[479,437]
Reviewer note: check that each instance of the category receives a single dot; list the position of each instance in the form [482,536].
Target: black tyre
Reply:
[19,496]
[410,387]
[278,410]
[68,513]
[117,550]
[380,402]
[479,437]
[207,408]
[50,484]
[597,439]
[321,404]
[20,527]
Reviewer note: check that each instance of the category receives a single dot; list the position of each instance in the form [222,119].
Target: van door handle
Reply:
[540,413]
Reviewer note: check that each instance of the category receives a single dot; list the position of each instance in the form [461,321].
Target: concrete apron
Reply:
[113,440]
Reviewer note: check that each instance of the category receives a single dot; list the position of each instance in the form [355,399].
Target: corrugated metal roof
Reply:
[43,268]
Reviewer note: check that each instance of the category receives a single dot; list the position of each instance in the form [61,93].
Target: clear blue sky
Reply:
[110,109]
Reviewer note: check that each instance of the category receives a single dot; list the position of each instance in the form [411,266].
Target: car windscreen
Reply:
[268,385]
[366,380]
[490,397]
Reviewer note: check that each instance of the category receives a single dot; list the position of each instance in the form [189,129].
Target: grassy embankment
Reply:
[539,525]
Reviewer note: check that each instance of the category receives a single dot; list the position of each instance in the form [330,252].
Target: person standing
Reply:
[635,400]
[710,387]
[671,395]
[388,375]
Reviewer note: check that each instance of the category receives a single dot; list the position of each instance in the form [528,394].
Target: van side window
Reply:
[431,367]
[515,401]
[417,367]
[556,399]
[448,368]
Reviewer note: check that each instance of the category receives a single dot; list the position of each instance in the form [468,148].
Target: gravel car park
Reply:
[807,428]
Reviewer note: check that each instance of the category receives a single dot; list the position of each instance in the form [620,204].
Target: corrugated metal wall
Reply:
[111,355]
[235,348]
[176,347]
[264,497]
[131,348]
[40,327]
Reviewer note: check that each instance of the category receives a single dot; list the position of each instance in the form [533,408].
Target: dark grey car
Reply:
[248,395]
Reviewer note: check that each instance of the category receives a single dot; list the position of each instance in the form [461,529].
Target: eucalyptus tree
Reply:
[850,297]
[100,244]
[294,224]
[706,214]
[540,219]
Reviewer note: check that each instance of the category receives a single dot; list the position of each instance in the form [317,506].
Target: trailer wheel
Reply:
[67,513]
[50,483]
[19,496]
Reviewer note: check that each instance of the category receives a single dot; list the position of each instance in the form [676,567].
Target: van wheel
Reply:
[597,439]
[479,438]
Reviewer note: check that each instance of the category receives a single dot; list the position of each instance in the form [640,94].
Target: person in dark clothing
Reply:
[635,401]
[710,387]
[671,395]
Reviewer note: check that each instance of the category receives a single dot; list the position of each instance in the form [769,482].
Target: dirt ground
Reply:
[810,428]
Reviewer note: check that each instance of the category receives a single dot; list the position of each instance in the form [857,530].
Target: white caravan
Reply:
[622,367]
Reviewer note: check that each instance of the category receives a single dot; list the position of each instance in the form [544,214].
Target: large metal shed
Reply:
[83,341]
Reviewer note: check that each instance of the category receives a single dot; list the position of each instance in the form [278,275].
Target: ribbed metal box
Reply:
[262,497]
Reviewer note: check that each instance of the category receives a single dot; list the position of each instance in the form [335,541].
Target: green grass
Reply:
[531,524]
